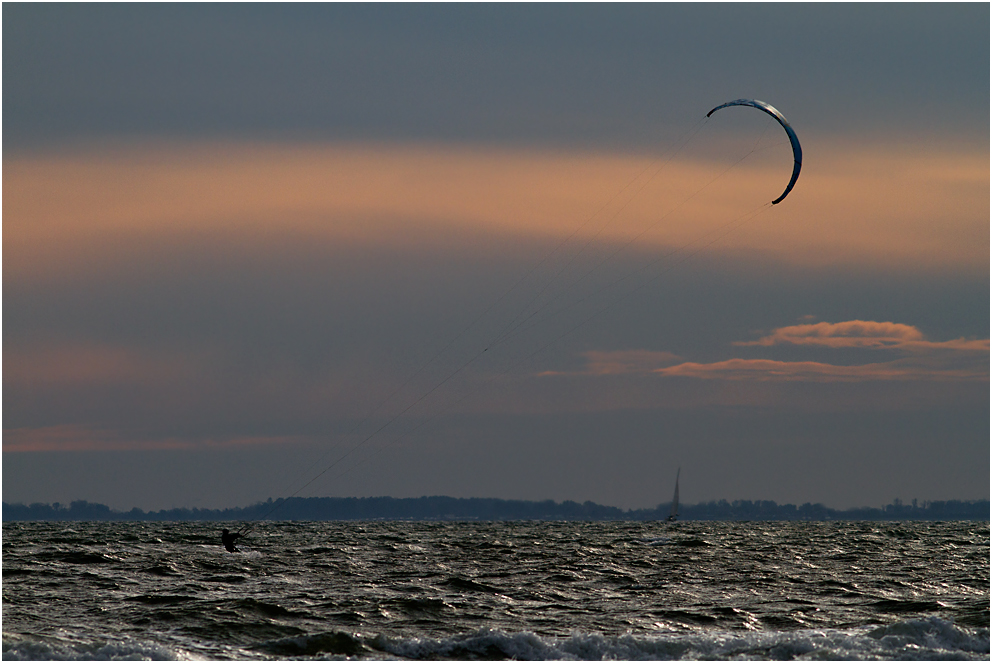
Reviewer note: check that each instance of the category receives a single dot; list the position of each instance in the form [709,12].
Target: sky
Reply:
[261,251]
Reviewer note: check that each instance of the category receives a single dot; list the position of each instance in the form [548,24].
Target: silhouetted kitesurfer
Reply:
[229,540]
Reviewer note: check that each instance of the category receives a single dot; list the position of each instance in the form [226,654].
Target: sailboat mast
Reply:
[675,499]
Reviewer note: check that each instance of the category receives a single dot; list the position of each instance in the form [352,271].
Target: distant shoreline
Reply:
[491,509]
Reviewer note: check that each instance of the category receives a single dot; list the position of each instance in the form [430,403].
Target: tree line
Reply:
[489,509]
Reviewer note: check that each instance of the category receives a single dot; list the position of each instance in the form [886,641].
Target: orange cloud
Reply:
[623,362]
[925,360]
[90,364]
[809,371]
[863,334]
[74,437]
[868,205]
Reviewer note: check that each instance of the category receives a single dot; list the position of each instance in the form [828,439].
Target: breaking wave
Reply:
[929,638]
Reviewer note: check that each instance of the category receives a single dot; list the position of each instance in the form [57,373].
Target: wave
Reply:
[929,638]
[124,650]
[918,639]
[77,557]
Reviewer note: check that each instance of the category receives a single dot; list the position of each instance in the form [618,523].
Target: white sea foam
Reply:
[657,541]
[919,639]
[16,649]
[916,639]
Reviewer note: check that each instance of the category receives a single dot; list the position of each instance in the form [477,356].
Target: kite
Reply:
[797,151]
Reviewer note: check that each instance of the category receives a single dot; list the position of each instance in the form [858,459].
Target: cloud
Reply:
[955,360]
[77,437]
[91,364]
[810,371]
[863,334]
[107,386]
[87,209]
[622,362]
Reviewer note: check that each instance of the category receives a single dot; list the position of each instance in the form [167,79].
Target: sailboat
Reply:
[674,515]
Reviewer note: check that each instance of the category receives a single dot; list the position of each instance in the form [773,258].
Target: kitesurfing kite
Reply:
[797,151]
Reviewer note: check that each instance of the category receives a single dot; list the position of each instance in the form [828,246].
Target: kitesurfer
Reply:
[228,539]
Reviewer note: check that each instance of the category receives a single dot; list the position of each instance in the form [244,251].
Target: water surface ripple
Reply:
[529,590]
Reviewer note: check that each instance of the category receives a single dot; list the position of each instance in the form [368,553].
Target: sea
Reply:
[497,590]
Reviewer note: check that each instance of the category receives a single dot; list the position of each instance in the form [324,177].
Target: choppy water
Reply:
[381,590]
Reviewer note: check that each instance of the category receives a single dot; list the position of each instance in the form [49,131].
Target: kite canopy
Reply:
[797,151]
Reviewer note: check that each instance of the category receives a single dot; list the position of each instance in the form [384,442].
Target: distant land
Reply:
[482,509]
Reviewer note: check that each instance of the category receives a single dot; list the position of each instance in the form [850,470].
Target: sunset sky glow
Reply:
[494,251]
